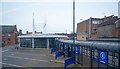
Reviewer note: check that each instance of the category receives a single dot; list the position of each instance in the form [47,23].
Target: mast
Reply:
[33,25]
[44,27]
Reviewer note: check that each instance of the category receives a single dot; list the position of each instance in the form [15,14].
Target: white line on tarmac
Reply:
[27,58]
[27,53]
[5,50]
[11,64]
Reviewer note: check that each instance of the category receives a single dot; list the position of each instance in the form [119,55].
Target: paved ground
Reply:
[25,57]
[28,57]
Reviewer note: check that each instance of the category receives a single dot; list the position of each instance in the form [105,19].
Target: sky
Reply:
[56,14]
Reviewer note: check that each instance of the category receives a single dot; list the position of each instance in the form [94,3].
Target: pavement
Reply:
[31,58]
[27,57]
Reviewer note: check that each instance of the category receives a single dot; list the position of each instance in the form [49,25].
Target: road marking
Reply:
[27,58]
[5,59]
[27,53]
[57,61]
[12,54]
[5,50]
[11,64]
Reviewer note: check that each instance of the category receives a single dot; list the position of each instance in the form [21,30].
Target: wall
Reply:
[105,31]
[82,29]
[13,39]
[81,37]
[116,32]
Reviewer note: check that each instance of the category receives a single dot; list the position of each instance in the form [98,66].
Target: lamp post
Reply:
[73,22]
[74,27]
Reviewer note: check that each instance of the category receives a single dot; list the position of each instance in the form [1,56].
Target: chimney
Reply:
[20,32]
[35,32]
[26,32]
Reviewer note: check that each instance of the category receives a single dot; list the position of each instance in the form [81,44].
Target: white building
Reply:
[39,40]
[119,9]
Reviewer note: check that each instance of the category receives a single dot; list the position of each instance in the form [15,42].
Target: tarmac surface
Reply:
[27,57]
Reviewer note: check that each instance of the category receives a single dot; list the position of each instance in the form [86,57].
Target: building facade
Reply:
[87,28]
[109,28]
[98,27]
[82,30]
[9,34]
[39,40]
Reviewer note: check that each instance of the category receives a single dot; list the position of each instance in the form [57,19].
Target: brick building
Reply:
[87,27]
[109,28]
[116,31]
[9,34]
[99,27]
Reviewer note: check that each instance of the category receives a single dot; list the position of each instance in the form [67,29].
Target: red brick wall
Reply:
[116,32]
[6,39]
[13,38]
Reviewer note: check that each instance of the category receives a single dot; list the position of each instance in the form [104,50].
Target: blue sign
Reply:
[103,57]
[76,49]
[65,46]
[69,61]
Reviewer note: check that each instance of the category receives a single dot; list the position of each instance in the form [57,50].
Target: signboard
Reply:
[69,61]
[76,49]
[65,46]
[103,57]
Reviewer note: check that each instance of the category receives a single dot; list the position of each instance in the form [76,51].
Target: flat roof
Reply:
[42,36]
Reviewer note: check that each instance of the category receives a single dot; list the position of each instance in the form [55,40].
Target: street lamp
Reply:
[73,22]
[74,27]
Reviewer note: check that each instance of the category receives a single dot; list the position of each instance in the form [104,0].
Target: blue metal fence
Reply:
[59,53]
[68,61]
[54,50]
[101,56]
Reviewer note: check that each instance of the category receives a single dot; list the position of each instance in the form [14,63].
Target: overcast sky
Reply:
[57,14]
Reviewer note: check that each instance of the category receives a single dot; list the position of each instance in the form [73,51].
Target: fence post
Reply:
[90,58]
[119,59]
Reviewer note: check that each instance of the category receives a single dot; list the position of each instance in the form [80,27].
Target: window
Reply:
[25,42]
[113,59]
[9,34]
[9,41]
[40,43]
[52,43]
[94,29]
[3,35]
[82,37]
